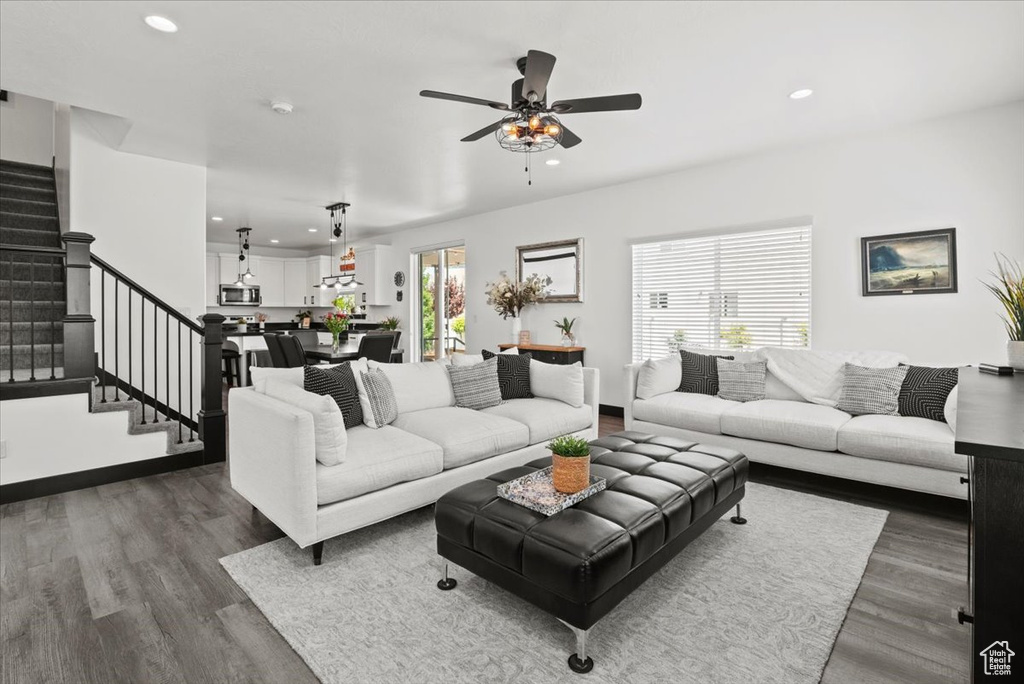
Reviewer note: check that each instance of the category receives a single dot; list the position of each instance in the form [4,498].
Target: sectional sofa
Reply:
[432,447]
[785,429]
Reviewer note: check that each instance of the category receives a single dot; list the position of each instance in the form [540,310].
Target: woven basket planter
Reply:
[570,474]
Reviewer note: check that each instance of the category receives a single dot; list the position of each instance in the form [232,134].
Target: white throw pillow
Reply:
[328,424]
[554,381]
[659,376]
[949,410]
[418,386]
[292,376]
[466,359]
[510,350]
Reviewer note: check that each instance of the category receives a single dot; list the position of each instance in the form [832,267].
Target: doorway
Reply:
[441,307]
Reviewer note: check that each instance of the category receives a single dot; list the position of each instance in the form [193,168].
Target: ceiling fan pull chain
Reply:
[529,170]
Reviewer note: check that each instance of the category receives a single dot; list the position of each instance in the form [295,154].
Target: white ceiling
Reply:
[714,78]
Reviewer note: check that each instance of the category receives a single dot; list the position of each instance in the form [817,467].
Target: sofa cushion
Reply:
[870,391]
[466,436]
[811,426]
[545,418]
[465,359]
[476,386]
[418,386]
[658,376]
[557,381]
[699,373]
[513,373]
[339,383]
[925,390]
[376,459]
[902,439]
[741,380]
[377,398]
[685,410]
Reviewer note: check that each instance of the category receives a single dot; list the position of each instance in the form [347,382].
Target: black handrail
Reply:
[147,294]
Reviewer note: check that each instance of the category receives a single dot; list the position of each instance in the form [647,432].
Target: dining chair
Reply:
[273,341]
[292,350]
[309,339]
[377,347]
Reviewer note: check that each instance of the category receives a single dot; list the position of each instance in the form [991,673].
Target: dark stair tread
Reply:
[25,168]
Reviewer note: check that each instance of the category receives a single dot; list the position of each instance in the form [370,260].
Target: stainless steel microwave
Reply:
[239,295]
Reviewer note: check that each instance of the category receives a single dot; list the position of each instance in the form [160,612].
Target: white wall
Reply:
[83,441]
[26,130]
[62,162]
[965,171]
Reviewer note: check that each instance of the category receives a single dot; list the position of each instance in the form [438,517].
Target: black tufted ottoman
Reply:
[661,494]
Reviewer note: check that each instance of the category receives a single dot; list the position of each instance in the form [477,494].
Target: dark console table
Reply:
[990,429]
[549,353]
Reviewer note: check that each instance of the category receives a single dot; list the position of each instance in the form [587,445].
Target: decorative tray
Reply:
[537,492]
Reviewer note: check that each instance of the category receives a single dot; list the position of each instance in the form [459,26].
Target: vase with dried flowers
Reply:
[509,298]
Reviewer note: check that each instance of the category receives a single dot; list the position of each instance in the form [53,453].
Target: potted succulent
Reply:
[570,463]
[390,323]
[304,316]
[568,339]
[1009,290]
[241,324]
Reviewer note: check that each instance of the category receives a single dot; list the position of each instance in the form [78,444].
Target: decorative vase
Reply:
[517,327]
[1015,353]
[335,342]
[568,340]
[570,474]
[263,326]
[242,327]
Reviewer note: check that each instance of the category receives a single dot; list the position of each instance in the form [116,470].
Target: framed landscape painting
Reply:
[909,263]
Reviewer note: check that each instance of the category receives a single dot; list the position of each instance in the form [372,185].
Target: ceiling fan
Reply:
[532,125]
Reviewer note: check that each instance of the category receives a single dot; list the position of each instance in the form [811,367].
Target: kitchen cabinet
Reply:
[212,280]
[316,269]
[271,280]
[374,269]
[228,268]
[297,286]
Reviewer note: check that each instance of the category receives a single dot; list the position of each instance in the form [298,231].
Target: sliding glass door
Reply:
[440,308]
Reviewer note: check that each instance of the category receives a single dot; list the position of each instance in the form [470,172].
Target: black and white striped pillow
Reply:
[699,372]
[380,408]
[871,390]
[741,381]
[476,386]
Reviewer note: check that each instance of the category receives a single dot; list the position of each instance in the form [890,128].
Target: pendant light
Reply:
[339,227]
[242,249]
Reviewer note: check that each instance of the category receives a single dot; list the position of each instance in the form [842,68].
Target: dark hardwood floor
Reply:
[121,583]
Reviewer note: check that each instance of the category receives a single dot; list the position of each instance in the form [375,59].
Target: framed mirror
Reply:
[561,261]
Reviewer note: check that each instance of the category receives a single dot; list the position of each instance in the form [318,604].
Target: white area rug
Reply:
[761,602]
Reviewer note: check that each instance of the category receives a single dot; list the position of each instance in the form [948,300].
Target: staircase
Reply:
[31,284]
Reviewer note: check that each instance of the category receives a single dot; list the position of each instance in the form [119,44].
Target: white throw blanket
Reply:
[817,376]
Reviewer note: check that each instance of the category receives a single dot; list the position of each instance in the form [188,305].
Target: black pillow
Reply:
[700,373]
[924,391]
[513,374]
[340,384]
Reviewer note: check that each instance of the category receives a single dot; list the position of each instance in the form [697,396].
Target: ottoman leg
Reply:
[579,661]
[446,583]
[738,519]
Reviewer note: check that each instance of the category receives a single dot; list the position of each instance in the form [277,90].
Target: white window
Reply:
[735,291]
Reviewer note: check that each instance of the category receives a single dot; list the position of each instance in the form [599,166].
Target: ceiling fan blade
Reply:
[569,139]
[463,98]
[608,103]
[538,71]
[483,131]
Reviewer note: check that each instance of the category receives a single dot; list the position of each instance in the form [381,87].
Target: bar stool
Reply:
[231,358]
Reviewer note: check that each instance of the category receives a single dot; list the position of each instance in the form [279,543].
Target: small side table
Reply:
[550,353]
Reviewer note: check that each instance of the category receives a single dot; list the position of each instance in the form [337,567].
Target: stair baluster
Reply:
[103,338]
[11,345]
[32,318]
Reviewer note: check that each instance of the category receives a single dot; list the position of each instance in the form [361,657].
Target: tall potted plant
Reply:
[1009,290]
[509,298]
[570,463]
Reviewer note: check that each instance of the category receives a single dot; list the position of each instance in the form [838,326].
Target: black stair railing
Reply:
[158,346]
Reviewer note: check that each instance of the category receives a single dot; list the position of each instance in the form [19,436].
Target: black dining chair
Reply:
[292,349]
[309,339]
[377,347]
[273,341]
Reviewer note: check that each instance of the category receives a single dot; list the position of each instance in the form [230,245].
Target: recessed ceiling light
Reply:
[312,230]
[281,107]
[162,24]
[275,241]
[552,162]
[801,94]
[333,239]
[216,218]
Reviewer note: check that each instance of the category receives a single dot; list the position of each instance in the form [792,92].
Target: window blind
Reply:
[735,291]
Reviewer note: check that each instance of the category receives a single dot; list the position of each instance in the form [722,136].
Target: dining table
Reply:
[347,351]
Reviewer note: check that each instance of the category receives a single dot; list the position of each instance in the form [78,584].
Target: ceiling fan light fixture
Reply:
[534,122]
[552,129]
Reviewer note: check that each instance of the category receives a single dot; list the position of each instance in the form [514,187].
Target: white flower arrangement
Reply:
[509,298]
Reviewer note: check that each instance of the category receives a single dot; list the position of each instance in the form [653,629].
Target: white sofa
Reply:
[785,430]
[432,447]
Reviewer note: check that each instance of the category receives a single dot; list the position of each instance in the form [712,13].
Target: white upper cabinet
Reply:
[212,280]
[373,270]
[228,268]
[297,286]
[317,268]
[271,280]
